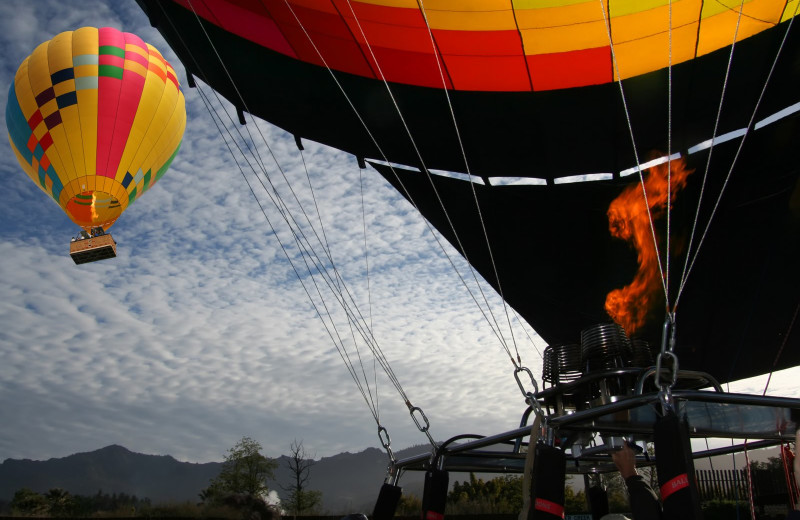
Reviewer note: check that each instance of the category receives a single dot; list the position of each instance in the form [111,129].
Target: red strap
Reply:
[433,515]
[788,470]
[676,484]
[549,507]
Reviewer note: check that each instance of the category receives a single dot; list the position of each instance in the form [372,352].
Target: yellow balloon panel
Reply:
[95,116]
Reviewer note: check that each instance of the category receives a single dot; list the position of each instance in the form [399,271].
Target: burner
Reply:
[642,354]
[605,347]
[562,363]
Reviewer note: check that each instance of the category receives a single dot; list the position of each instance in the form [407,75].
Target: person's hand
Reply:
[625,460]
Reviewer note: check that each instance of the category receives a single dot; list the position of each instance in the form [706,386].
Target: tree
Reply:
[244,472]
[409,505]
[300,498]
[499,495]
[28,502]
[574,502]
[59,503]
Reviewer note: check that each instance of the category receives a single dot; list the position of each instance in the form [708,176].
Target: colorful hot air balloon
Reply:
[527,95]
[95,117]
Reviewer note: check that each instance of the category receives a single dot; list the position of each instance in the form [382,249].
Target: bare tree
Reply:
[300,498]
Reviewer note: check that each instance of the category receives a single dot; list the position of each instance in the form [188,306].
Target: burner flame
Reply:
[629,218]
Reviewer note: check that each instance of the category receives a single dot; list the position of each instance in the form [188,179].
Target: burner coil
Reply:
[562,363]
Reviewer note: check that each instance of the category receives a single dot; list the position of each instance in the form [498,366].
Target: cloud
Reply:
[200,331]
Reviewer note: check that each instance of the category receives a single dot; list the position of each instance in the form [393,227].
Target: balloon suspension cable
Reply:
[689,265]
[345,299]
[330,328]
[339,344]
[669,166]
[490,317]
[666,381]
[493,321]
[635,150]
[786,336]
[470,176]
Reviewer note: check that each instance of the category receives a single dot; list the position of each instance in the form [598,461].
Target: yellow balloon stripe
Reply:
[39,168]
[152,94]
[549,36]
[59,56]
[85,49]
[156,127]
[53,138]
[168,140]
[791,8]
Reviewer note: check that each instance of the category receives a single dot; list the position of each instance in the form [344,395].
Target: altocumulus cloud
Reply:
[199,332]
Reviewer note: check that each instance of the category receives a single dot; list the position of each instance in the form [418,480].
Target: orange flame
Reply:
[628,219]
[94,209]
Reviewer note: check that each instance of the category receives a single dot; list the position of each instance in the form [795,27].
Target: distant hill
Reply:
[112,469]
[348,481]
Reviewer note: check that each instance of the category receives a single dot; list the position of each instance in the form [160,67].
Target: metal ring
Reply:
[424,418]
[525,393]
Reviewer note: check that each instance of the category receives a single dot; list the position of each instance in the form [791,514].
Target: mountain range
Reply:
[348,481]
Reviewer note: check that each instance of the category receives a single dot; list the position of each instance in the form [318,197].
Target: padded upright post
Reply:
[675,465]
[598,501]
[434,496]
[547,486]
[387,502]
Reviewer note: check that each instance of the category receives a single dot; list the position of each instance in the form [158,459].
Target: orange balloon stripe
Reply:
[493,45]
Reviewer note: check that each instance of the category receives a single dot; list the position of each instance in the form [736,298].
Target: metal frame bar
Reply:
[469,456]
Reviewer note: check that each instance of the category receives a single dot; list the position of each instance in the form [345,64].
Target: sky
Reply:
[199,333]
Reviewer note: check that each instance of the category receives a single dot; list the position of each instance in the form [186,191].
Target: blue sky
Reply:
[199,332]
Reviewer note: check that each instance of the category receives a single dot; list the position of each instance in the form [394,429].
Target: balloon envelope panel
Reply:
[95,116]
[493,45]
[523,96]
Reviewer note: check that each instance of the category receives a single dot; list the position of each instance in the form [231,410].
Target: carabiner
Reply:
[525,393]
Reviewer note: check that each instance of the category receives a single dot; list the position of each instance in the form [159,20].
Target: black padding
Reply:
[387,502]
[547,484]
[598,502]
[676,469]
[434,497]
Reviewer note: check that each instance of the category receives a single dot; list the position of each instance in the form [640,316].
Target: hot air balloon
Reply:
[517,128]
[95,117]
[534,89]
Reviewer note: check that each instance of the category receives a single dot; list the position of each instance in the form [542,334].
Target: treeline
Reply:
[500,495]
[58,503]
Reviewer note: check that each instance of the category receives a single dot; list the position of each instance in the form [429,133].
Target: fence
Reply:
[769,485]
[722,484]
